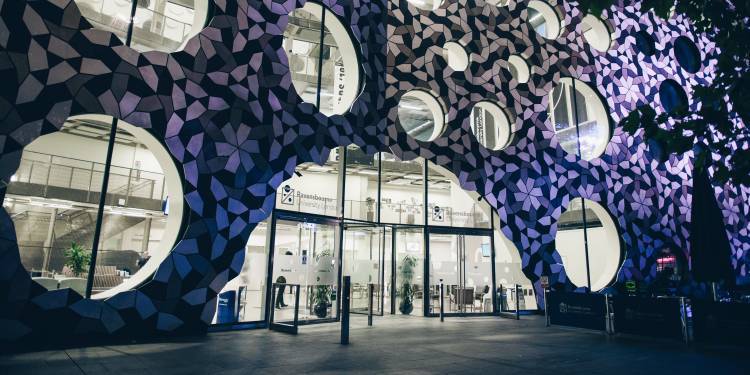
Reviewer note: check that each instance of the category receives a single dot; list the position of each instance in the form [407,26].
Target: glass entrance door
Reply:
[464,264]
[363,260]
[306,253]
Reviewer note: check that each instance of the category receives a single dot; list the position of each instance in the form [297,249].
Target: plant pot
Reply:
[406,307]
[321,310]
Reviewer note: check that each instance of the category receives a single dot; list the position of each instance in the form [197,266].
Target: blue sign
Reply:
[582,310]
[225,311]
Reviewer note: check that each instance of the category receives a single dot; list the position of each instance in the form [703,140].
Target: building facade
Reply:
[239,105]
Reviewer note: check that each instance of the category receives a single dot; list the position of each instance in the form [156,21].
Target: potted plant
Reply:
[321,297]
[406,290]
[77,259]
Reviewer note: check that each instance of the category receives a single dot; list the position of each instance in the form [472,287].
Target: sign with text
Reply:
[656,317]
[577,310]
[721,322]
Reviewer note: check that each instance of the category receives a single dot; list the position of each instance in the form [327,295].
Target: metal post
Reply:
[371,291]
[442,301]
[607,318]
[345,300]
[683,314]
[546,308]
[518,313]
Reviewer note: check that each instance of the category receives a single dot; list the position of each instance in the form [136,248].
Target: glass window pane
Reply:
[162,25]
[450,205]
[573,102]
[313,188]
[464,263]
[363,262]
[243,298]
[409,270]
[306,254]
[361,185]
[52,199]
[140,223]
[402,191]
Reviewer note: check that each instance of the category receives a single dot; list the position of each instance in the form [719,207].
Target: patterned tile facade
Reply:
[228,114]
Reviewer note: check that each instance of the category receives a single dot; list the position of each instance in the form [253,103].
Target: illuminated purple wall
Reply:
[53,66]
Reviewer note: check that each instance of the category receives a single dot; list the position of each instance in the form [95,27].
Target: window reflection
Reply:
[322,59]
[159,25]
[579,119]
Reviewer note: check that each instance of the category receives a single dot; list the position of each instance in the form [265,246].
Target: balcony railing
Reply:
[50,171]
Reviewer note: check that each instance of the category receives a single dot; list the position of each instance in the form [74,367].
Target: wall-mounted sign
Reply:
[438,214]
[287,195]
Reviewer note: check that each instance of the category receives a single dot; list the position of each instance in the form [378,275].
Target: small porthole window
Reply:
[687,54]
[672,96]
[421,115]
[490,125]
[596,33]
[456,56]
[519,68]
[426,4]
[579,118]
[543,19]
[645,43]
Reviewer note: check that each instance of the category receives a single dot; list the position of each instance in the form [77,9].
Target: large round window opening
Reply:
[687,54]
[426,4]
[158,25]
[53,199]
[543,19]
[323,60]
[579,118]
[490,125]
[586,224]
[421,115]
[596,33]
[672,96]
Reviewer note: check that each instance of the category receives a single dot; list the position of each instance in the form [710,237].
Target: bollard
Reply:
[345,300]
[518,311]
[371,291]
[442,302]
[546,308]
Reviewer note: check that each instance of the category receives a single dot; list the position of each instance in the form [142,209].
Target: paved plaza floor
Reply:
[395,344]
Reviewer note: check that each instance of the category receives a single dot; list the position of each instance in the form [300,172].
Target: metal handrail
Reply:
[71,175]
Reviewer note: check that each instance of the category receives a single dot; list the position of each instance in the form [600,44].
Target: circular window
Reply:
[159,25]
[426,4]
[596,33]
[687,54]
[323,60]
[456,56]
[672,96]
[53,199]
[587,224]
[543,19]
[519,68]
[421,115]
[645,43]
[490,125]
[579,118]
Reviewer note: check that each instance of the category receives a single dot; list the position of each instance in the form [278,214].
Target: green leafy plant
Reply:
[406,290]
[714,129]
[77,259]
[321,297]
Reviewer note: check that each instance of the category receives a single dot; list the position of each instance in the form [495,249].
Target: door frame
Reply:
[381,255]
[301,217]
[485,232]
